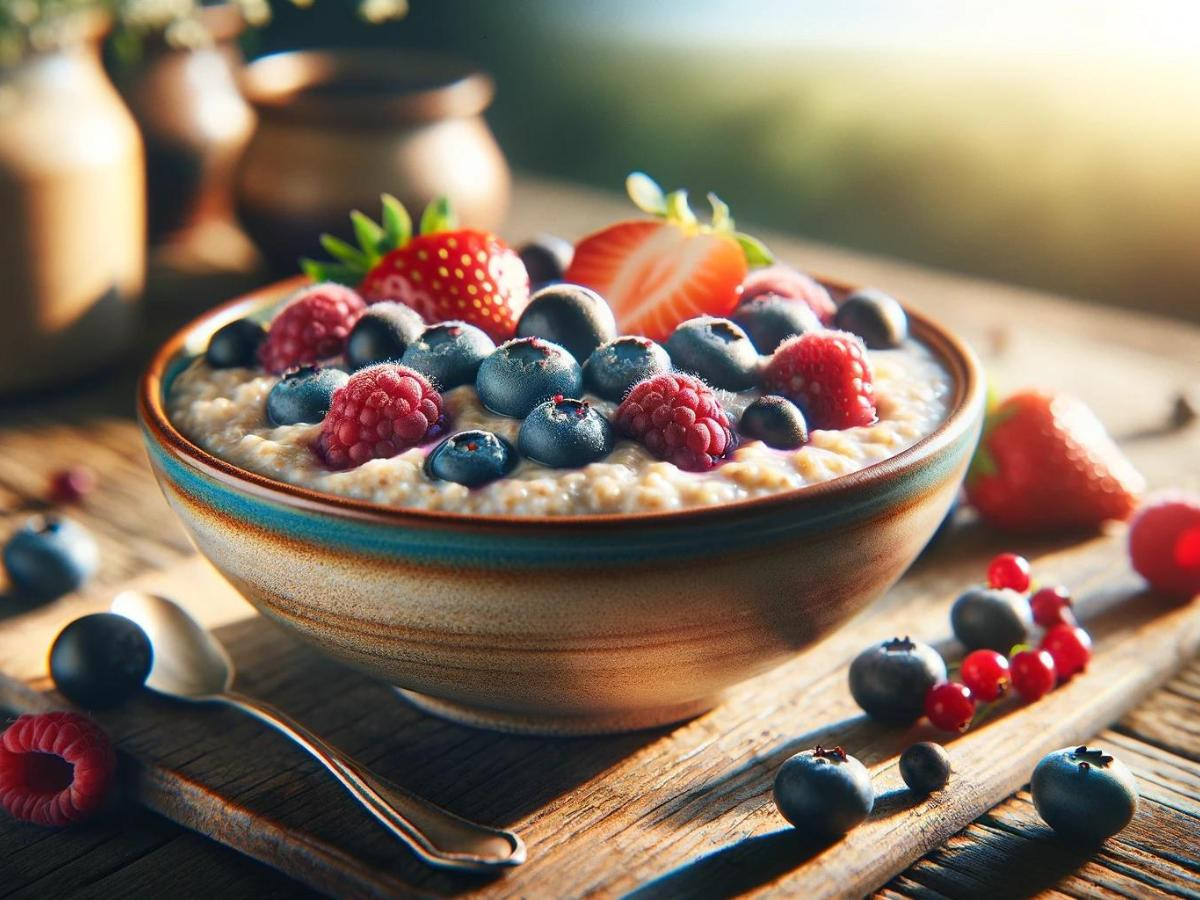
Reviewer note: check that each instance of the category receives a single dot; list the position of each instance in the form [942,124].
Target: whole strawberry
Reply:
[1046,464]
[656,273]
[444,272]
[827,374]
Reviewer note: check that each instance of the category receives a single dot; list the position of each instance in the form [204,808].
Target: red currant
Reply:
[1052,606]
[950,706]
[1009,571]
[1033,674]
[72,484]
[986,673]
[1071,648]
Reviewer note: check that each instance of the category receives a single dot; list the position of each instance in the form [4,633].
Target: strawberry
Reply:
[1045,463]
[658,273]
[444,272]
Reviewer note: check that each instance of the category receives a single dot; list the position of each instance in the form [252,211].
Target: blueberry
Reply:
[449,354]
[471,458]
[235,344]
[824,792]
[304,396]
[524,372]
[1085,795]
[565,434]
[889,680]
[574,317]
[991,618]
[382,334]
[776,421]
[50,556]
[546,257]
[770,319]
[615,367]
[925,767]
[717,350]
[875,317]
[100,661]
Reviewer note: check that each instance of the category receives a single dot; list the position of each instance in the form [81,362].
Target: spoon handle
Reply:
[437,836]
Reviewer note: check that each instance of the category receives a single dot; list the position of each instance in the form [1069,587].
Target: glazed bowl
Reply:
[564,625]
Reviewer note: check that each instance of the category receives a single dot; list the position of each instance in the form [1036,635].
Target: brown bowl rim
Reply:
[952,352]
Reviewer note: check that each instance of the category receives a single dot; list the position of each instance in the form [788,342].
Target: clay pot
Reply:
[72,215]
[194,120]
[337,128]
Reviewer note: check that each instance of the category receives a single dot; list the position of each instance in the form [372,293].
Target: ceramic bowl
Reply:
[561,625]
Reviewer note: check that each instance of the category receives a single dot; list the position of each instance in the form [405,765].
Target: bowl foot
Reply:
[557,724]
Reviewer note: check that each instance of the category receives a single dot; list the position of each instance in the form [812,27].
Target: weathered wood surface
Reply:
[613,815]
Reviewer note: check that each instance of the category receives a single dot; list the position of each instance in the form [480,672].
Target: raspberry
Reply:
[1164,545]
[381,411]
[784,281]
[55,769]
[827,374]
[679,419]
[312,327]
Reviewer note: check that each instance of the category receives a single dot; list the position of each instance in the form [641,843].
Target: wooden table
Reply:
[1129,367]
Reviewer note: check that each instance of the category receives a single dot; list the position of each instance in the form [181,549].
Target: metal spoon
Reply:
[190,664]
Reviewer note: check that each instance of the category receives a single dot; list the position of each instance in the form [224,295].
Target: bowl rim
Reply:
[953,353]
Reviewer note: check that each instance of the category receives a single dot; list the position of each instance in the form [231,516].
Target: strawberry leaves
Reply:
[647,196]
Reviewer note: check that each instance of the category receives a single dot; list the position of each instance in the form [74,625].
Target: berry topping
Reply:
[1084,795]
[382,334]
[55,769]
[1009,571]
[235,344]
[986,673]
[990,618]
[524,372]
[449,354]
[565,434]
[679,419]
[1164,545]
[1033,674]
[1071,648]
[381,411]
[312,327]
[72,484]
[1052,606]
[101,660]
[571,316]
[304,396]
[823,792]
[50,556]
[890,680]
[546,258]
[950,706]
[615,367]
[776,421]
[716,350]
[658,273]
[471,458]
[827,374]
[875,317]
[784,281]
[444,272]
[925,767]
[1046,464]
[769,320]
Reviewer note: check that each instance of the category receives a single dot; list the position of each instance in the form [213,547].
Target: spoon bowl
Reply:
[189,663]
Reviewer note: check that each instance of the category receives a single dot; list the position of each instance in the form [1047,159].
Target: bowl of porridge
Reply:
[590,509]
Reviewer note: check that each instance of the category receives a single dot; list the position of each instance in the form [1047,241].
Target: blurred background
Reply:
[1049,144]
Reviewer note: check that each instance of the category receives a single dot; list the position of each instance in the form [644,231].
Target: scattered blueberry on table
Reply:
[925,767]
[991,618]
[100,660]
[1084,794]
[50,556]
[889,680]
[824,792]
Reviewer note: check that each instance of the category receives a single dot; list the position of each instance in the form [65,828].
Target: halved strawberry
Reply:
[658,273]
[443,273]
